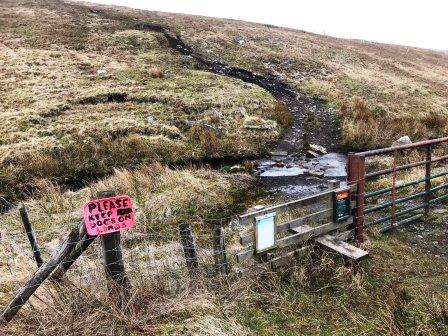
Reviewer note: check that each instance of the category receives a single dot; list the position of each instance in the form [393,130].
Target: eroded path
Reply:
[288,170]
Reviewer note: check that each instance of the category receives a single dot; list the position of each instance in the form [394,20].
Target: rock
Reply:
[258,127]
[279,153]
[318,149]
[280,164]
[311,153]
[236,169]
[101,72]
[404,140]
[151,119]
[317,173]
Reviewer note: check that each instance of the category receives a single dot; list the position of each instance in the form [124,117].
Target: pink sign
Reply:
[108,215]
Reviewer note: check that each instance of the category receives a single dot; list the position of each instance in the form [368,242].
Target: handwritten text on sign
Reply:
[108,215]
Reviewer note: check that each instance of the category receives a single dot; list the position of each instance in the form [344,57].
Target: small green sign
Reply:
[341,205]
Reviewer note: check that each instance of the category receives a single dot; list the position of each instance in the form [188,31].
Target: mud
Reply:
[293,179]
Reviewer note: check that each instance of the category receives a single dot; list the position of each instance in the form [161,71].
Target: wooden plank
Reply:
[285,207]
[244,254]
[288,258]
[303,235]
[305,220]
[303,229]
[39,276]
[335,244]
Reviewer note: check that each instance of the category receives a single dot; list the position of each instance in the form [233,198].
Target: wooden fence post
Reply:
[118,284]
[356,174]
[333,184]
[31,235]
[220,249]
[428,158]
[187,240]
[39,276]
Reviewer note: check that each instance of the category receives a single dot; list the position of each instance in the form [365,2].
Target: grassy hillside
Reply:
[76,87]
[89,99]
[78,82]
[376,87]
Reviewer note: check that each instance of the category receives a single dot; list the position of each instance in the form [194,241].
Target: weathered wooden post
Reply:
[118,284]
[41,274]
[356,174]
[428,158]
[220,249]
[31,235]
[83,243]
[187,240]
[333,184]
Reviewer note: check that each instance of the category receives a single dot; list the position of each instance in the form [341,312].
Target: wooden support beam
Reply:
[84,242]
[337,245]
[40,275]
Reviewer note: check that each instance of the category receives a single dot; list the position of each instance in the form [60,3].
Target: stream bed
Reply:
[298,175]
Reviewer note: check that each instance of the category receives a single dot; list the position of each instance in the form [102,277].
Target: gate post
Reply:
[428,158]
[356,171]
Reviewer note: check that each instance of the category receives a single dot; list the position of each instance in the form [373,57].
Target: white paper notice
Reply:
[265,232]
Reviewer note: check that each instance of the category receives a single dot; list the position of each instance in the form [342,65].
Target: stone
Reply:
[404,140]
[151,119]
[259,127]
[101,72]
[317,173]
[318,149]
[236,169]
[311,153]
[279,153]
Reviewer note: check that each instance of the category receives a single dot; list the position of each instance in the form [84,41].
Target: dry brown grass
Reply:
[156,73]
[71,95]
[398,85]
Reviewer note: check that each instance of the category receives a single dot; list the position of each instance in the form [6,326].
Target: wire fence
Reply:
[148,257]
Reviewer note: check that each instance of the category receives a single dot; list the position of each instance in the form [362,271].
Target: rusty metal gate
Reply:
[396,199]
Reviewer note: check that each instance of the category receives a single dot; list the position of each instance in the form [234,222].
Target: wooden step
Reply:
[301,229]
[342,247]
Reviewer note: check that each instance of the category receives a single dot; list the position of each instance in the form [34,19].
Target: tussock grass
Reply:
[317,295]
[72,113]
[403,89]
